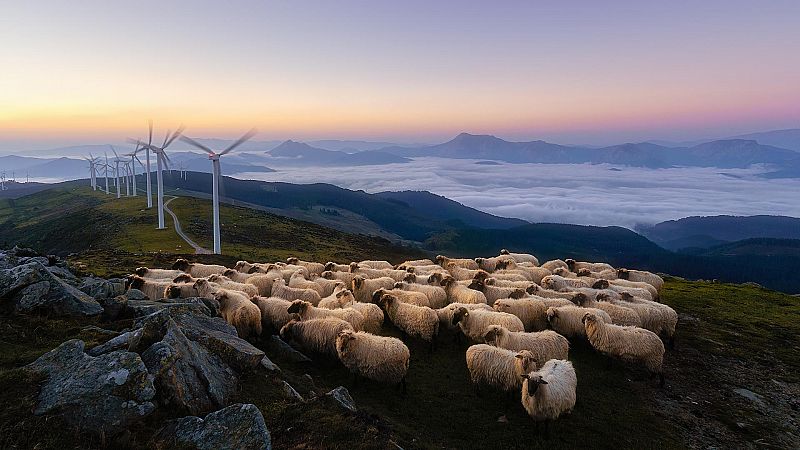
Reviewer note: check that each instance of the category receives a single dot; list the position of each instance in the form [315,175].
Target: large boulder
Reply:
[100,288]
[187,375]
[239,427]
[102,395]
[30,287]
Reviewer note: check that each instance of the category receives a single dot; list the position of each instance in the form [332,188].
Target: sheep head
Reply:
[345,297]
[137,282]
[343,338]
[399,285]
[584,272]
[183,278]
[460,314]
[481,275]
[492,333]
[358,282]
[623,274]
[173,291]
[590,319]
[477,285]
[518,293]
[327,274]
[627,296]
[504,252]
[440,260]
[293,260]
[580,298]
[447,281]
[534,380]
[600,284]
[532,288]
[570,263]
[602,297]
[353,267]
[387,300]
[242,266]
[376,296]
[410,278]
[230,273]
[435,278]
[525,361]
[141,271]
[297,307]
[181,264]
[286,332]
[552,314]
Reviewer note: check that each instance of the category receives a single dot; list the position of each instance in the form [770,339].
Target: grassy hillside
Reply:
[112,236]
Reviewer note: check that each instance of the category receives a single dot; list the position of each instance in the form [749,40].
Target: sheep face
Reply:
[435,278]
[387,300]
[525,361]
[533,288]
[447,281]
[358,282]
[353,267]
[560,271]
[286,332]
[329,266]
[570,264]
[440,259]
[492,333]
[601,297]
[181,264]
[141,271]
[344,338]
[173,291]
[584,273]
[410,278]
[328,275]
[504,252]
[292,260]
[459,315]
[481,275]
[137,282]
[297,307]
[627,296]
[623,274]
[503,264]
[581,298]
[477,285]
[518,293]
[600,284]
[376,296]
[534,381]
[184,278]
[345,297]
[552,315]
[590,319]
[242,266]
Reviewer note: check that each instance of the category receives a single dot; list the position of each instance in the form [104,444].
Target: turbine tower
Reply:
[116,171]
[106,171]
[92,170]
[215,176]
[134,160]
[162,161]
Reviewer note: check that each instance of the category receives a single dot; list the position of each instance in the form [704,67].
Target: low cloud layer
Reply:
[581,194]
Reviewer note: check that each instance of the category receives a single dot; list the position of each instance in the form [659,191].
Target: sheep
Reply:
[410,297]
[559,283]
[312,267]
[634,291]
[153,288]
[366,272]
[656,317]
[607,274]
[421,270]
[315,335]
[418,263]
[205,288]
[378,358]
[445,314]
[363,288]
[197,270]
[457,293]
[279,289]
[498,367]
[574,266]
[181,290]
[554,264]
[237,309]
[297,280]
[641,276]
[308,311]
[549,392]
[373,314]
[635,284]
[248,267]
[274,312]
[437,296]
[543,345]
[491,281]
[459,273]
[148,273]
[631,344]
[547,293]
[620,315]
[262,282]
[534,274]
[345,277]
[235,275]
[378,265]
[416,321]
[436,278]
[566,273]
[335,267]
[493,293]
[227,283]
[327,287]
[473,323]
[332,301]
[521,257]
[567,320]
[532,313]
[489,264]
[463,263]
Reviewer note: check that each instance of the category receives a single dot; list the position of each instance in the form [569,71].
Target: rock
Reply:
[239,426]
[113,307]
[269,365]
[187,375]
[276,345]
[290,393]
[101,395]
[752,396]
[32,288]
[135,294]
[235,351]
[342,397]
[141,308]
[100,288]
[121,342]
[65,275]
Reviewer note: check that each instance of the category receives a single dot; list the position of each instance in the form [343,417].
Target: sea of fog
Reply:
[584,194]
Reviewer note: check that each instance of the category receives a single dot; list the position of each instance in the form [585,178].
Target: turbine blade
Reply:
[241,141]
[150,140]
[166,138]
[191,141]
[175,135]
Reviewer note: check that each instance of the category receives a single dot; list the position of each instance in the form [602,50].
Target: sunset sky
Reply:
[578,72]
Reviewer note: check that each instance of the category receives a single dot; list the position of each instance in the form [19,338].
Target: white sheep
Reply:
[559,283]
[332,301]
[521,257]
[410,297]
[378,358]
[197,270]
[274,312]
[154,289]
[437,296]
[345,277]
[457,293]
[532,313]
[543,345]
[237,309]
[307,311]
[373,314]
[473,323]
[336,267]
[636,284]
[550,392]
[379,265]
[314,268]
[493,293]
[620,315]
[656,317]
[366,272]
[417,263]
[460,262]
[568,320]
[490,264]
[641,276]
[315,335]
[631,344]
[279,289]
[415,321]
[298,281]
[575,266]
[363,288]
[498,367]
[227,283]
[445,313]
[554,264]
[164,274]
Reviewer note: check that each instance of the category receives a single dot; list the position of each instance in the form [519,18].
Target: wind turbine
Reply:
[116,171]
[92,170]
[106,171]
[215,176]
[162,161]
[134,160]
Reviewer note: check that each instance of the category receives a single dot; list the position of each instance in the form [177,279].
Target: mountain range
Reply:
[302,154]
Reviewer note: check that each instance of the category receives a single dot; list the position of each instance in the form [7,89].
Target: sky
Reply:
[573,72]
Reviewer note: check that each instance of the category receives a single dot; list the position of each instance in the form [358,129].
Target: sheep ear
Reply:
[543,382]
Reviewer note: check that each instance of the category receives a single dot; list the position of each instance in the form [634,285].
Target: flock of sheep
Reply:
[518,314]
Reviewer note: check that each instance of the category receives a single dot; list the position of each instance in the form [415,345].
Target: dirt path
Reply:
[197,249]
